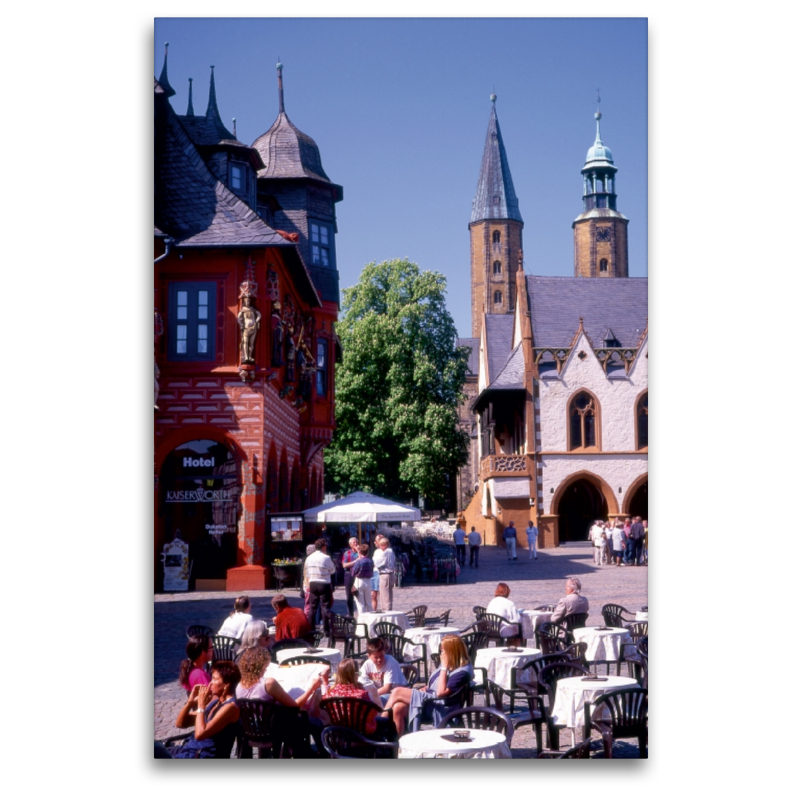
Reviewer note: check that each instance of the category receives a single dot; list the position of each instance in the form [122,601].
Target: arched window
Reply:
[641,422]
[603,265]
[497,268]
[498,298]
[583,419]
[495,237]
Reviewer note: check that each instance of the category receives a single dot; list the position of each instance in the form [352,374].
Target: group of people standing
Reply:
[461,539]
[620,543]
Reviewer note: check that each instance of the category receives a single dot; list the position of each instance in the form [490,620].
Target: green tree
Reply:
[398,387]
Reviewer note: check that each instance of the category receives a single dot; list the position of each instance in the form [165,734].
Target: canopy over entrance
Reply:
[362,507]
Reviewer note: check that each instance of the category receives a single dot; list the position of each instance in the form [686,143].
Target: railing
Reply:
[503,464]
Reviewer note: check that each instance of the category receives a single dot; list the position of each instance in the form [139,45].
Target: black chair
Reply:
[224,648]
[581,750]
[637,630]
[355,647]
[346,743]
[271,728]
[613,615]
[637,663]
[442,619]
[452,702]
[572,621]
[396,644]
[340,628]
[384,628]
[553,638]
[289,644]
[576,653]
[479,718]
[479,626]
[410,673]
[549,676]
[297,660]
[198,630]
[522,684]
[416,616]
[351,712]
[478,611]
[545,607]
[621,714]
[314,638]
[496,624]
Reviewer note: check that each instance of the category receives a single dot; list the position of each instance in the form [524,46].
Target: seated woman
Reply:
[213,712]
[506,609]
[255,634]
[239,617]
[199,651]
[443,693]
[254,686]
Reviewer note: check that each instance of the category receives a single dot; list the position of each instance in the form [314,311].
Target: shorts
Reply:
[376,582]
[617,553]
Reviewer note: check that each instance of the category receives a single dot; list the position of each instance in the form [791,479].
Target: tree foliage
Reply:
[398,387]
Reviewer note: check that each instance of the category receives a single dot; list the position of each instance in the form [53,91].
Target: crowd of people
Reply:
[620,543]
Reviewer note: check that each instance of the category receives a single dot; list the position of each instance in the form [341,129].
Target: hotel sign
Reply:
[201,496]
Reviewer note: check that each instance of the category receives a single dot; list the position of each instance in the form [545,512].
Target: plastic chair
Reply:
[417,616]
[270,727]
[410,673]
[396,644]
[621,714]
[553,638]
[479,611]
[548,678]
[346,743]
[480,718]
[545,607]
[496,624]
[198,630]
[442,619]
[613,615]
[581,750]
[289,644]
[340,628]
[224,648]
[351,712]
[297,660]
[388,628]
[572,621]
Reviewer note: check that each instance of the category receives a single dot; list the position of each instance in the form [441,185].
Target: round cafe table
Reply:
[530,621]
[572,693]
[295,680]
[365,624]
[329,654]
[436,744]
[432,637]
[607,646]
[498,663]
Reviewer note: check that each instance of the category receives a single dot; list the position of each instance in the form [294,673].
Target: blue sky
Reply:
[399,109]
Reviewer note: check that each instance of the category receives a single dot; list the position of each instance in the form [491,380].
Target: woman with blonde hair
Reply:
[443,693]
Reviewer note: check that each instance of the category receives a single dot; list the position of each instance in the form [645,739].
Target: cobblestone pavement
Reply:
[532,583]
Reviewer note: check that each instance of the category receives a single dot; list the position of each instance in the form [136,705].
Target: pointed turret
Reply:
[163,79]
[190,107]
[495,197]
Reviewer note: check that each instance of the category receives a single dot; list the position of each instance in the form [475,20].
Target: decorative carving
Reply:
[249,321]
[582,355]
[277,335]
[502,463]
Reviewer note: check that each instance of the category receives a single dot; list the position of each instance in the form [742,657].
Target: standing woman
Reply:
[213,712]
[199,651]
[348,559]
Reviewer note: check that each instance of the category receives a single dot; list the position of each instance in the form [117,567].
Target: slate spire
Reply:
[280,86]
[212,111]
[190,108]
[495,197]
[163,79]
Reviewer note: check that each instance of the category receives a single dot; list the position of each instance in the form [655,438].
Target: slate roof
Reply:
[512,375]
[494,180]
[499,334]
[474,358]
[558,303]
[288,152]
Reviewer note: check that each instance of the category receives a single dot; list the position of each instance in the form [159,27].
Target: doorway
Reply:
[638,507]
[581,504]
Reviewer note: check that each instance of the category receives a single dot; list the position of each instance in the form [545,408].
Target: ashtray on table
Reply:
[312,650]
[512,649]
[457,736]
[432,627]
[594,678]
[602,628]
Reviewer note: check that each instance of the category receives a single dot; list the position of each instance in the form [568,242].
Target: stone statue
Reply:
[249,321]
[277,335]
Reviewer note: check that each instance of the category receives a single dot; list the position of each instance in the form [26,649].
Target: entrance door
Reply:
[580,505]
[639,502]
[199,497]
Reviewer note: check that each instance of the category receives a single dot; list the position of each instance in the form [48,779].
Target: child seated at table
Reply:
[382,669]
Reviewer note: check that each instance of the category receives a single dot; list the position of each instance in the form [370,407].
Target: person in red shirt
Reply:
[290,623]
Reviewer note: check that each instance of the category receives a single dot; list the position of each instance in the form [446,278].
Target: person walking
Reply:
[319,570]
[460,538]
[510,536]
[475,542]
[348,559]
[532,532]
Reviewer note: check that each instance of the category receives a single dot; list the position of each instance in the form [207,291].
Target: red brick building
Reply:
[244,336]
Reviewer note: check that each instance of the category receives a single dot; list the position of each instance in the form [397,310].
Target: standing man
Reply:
[626,529]
[319,569]
[510,535]
[385,563]
[532,532]
[599,541]
[348,559]
[460,538]
[637,535]
[475,542]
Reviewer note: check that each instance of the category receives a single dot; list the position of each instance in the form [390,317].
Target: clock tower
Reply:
[601,232]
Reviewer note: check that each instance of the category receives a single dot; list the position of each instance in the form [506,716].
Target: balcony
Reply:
[503,466]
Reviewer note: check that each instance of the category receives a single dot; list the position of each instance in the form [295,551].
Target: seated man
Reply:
[573,603]
[290,623]
[382,669]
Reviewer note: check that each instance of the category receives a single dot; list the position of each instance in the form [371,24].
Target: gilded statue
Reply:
[249,321]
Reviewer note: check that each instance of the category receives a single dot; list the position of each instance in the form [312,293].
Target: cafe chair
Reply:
[434,707]
[224,648]
[416,617]
[340,628]
[479,718]
[496,624]
[576,652]
[479,626]
[572,621]
[548,678]
[198,630]
[276,731]
[637,631]
[545,607]
[346,743]
[289,644]
[314,638]
[613,615]
[552,638]
[442,619]
[410,673]
[351,712]
[384,627]
[581,750]
[621,714]
[395,645]
[478,611]
[355,647]
[295,661]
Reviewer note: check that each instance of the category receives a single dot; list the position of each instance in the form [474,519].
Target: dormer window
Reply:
[237,178]
[321,238]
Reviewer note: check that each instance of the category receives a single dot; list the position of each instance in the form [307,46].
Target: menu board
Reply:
[287,529]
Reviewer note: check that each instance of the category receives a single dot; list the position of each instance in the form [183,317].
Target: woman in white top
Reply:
[506,609]
[234,625]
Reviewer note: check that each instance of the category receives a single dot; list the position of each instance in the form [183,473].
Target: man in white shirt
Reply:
[318,571]
[460,538]
[384,560]
[532,533]
[598,541]
[475,542]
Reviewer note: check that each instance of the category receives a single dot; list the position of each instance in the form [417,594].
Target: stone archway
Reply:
[636,498]
[581,499]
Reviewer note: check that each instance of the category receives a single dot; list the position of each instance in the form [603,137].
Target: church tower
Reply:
[495,232]
[601,232]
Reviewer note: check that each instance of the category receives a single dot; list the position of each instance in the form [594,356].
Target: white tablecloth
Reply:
[603,645]
[572,693]
[498,664]
[365,625]
[329,654]
[433,638]
[641,616]
[530,621]
[430,744]
[295,680]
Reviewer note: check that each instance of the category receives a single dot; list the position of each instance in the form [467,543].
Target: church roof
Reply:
[473,361]
[598,154]
[512,375]
[495,197]
[499,335]
[557,305]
